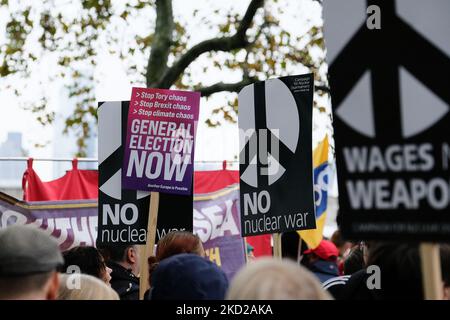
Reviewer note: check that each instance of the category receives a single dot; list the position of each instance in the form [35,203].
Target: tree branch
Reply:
[236,41]
[322,88]
[220,86]
[157,62]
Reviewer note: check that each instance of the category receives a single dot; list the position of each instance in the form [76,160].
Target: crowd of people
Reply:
[33,268]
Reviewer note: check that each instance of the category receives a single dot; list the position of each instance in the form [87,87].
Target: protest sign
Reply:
[71,222]
[123,214]
[159,145]
[217,223]
[276,169]
[391,119]
[75,222]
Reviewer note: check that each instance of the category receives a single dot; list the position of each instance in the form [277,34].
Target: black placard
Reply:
[116,205]
[276,169]
[393,173]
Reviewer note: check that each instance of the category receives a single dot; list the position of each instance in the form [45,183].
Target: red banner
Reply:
[74,185]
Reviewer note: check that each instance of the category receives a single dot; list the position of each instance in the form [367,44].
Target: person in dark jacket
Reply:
[124,262]
[175,242]
[322,261]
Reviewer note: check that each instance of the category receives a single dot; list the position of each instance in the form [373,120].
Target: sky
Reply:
[212,144]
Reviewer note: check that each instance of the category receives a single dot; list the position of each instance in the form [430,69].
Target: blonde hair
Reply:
[274,279]
[90,288]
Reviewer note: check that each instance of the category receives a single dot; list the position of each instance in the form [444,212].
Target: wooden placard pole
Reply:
[299,250]
[245,249]
[431,271]
[147,249]
[277,245]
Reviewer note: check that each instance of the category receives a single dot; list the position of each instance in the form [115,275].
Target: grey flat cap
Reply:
[27,250]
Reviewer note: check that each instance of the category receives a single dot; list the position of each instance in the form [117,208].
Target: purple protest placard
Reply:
[217,223]
[159,149]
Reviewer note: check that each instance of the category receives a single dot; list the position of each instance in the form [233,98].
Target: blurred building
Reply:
[65,145]
[11,171]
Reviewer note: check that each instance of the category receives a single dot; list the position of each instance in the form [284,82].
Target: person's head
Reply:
[177,242]
[127,255]
[275,279]
[88,260]
[342,245]
[354,261]
[445,267]
[188,277]
[29,259]
[326,251]
[84,287]
[289,244]
[173,243]
[400,270]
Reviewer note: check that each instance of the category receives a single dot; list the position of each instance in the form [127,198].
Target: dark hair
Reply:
[173,243]
[115,252]
[354,261]
[305,258]
[400,267]
[13,287]
[88,259]
[444,250]
[289,245]
[337,239]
